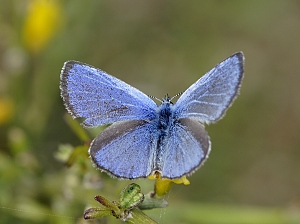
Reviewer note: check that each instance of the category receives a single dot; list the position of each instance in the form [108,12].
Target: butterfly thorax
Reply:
[165,114]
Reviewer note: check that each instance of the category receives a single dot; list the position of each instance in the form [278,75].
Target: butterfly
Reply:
[144,138]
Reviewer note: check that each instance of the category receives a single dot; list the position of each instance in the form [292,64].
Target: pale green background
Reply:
[159,47]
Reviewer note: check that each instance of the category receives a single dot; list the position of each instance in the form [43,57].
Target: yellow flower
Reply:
[6,110]
[163,185]
[40,24]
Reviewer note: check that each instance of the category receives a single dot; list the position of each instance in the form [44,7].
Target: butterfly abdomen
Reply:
[164,122]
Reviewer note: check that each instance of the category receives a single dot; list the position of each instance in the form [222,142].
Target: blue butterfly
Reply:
[143,138]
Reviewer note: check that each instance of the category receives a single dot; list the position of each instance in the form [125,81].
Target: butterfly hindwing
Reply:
[187,148]
[125,149]
[100,98]
[208,99]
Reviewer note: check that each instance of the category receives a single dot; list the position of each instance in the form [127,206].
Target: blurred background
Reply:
[253,173]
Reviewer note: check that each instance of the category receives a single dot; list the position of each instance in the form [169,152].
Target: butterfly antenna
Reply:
[178,94]
[153,97]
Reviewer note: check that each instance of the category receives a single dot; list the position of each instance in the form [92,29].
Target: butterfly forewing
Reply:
[100,98]
[208,99]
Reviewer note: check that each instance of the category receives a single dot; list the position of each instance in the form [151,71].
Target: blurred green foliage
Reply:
[253,174]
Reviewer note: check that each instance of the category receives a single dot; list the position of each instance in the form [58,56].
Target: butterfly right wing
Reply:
[125,149]
[100,98]
[208,99]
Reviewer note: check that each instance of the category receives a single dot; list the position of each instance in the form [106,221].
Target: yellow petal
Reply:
[163,185]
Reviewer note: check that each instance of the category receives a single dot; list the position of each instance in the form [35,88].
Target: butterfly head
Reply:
[167,100]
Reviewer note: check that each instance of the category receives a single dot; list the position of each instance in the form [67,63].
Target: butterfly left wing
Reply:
[208,99]
[187,148]
[100,98]
[125,149]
